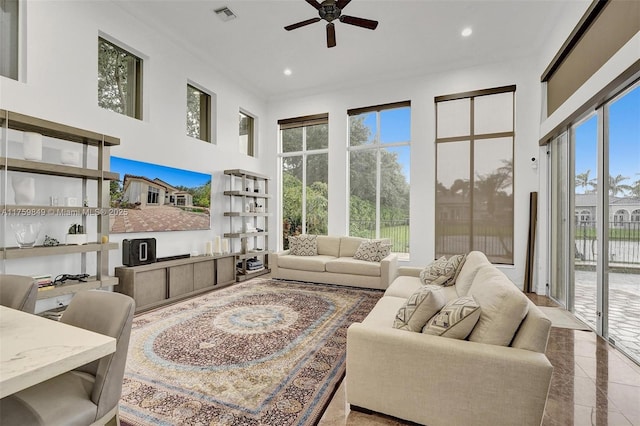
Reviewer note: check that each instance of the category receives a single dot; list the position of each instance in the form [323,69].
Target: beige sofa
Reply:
[435,380]
[335,264]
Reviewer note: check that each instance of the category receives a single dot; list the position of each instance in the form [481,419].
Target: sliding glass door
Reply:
[595,229]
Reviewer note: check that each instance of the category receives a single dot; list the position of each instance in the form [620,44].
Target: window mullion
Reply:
[304,180]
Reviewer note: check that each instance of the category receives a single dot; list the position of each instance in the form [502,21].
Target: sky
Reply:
[170,175]
[624,140]
[624,136]
[395,126]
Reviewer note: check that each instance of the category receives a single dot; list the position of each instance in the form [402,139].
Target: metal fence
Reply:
[396,230]
[495,240]
[624,242]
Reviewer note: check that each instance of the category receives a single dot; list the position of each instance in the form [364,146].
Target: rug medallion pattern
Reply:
[262,352]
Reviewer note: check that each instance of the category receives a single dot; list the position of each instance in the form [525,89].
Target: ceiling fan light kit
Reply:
[330,10]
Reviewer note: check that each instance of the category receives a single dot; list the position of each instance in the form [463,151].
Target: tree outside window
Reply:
[198,114]
[119,80]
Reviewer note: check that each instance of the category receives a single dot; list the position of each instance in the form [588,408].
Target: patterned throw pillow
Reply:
[442,271]
[456,320]
[368,250]
[384,250]
[303,245]
[419,307]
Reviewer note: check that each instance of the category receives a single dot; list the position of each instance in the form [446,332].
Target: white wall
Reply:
[60,84]
[421,92]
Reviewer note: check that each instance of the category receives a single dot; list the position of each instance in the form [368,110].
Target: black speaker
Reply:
[139,251]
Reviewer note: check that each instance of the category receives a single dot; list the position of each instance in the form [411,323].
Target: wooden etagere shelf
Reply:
[248,200]
[18,122]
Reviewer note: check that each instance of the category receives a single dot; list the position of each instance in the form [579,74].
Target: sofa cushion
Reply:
[328,245]
[403,286]
[503,306]
[304,263]
[303,245]
[349,265]
[419,307]
[455,320]
[368,250]
[349,245]
[441,271]
[384,313]
[472,262]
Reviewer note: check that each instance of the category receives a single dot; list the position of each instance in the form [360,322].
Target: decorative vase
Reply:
[32,146]
[26,233]
[76,239]
[24,189]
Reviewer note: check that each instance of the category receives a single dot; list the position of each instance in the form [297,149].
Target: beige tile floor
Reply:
[592,384]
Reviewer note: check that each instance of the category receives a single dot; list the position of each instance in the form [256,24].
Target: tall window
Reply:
[474,173]
[9,38]
[198,114]
[304,160]
[119,80]
[379,153]
[247,136]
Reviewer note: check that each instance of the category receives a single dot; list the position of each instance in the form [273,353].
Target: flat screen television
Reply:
[152,198]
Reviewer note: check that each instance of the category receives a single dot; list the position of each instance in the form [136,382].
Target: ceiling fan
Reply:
[330,10]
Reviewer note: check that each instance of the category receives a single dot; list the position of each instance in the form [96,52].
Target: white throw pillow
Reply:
[456,320]
[303,245]
[419,307]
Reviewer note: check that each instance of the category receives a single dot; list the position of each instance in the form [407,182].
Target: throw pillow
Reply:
[384,250]
[456,320]
[419,307]
[442,271]
[368,250]
[303,245]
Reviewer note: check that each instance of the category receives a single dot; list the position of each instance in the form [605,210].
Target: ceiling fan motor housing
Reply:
[329,11]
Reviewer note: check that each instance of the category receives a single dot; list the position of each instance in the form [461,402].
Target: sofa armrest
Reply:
[273,261]
[388,270]
[409,271]
[436,380]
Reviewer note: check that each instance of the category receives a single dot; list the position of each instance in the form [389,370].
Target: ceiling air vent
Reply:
[225,14]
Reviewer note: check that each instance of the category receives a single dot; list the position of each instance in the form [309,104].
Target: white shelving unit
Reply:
[248,220]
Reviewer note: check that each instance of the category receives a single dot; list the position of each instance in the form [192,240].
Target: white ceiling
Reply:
[413,37]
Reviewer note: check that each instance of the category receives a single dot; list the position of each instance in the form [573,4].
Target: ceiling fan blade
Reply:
[341,4]
[331,35]
[359,22]
[314,3]
[301,24]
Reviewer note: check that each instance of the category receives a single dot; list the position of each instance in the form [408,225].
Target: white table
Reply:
[34,349]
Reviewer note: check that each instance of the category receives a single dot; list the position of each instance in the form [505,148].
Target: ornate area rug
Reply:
[258,353]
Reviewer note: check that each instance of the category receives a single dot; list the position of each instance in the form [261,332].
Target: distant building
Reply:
[621,209]
[156,192]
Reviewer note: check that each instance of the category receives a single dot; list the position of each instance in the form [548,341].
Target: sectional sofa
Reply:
[499,375]
[334,264]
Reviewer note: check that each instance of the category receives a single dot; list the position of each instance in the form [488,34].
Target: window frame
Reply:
[300,122]
[376,146]
[133,101]
[205,115]
[471,138]
[10,39]
[251,136]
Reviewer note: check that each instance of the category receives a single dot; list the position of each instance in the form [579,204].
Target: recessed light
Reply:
[287,71]
[466,32]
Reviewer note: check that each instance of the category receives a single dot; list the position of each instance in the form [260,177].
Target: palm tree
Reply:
[582,181]
[615,186]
